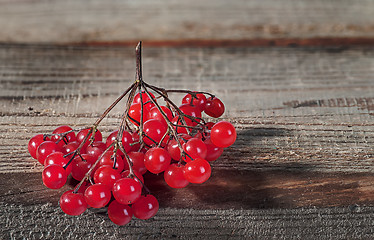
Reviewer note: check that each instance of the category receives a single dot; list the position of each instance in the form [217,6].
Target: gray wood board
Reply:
[293,108]
[48,222]
[303,154]
[108,21]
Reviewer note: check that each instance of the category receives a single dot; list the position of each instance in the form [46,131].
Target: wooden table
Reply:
[302,165]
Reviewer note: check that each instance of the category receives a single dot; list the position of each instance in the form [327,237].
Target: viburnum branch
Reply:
[198,170]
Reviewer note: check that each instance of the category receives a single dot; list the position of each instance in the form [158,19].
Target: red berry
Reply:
[110,139]
[209,125]
[173,149]
[46,148]
[155,130]
[145,207]
[197,171]
[135,113]
[137,159]
[127,190]
[80,168]
[223,134]
[198,101]
[213,152]
[135,139]
[108,159]
[174,176]
[58,159]
[191,111]
[97,195]
[156,160]
[214,107]
[70,147]
[73,203]
[177,121]
[119,214]
[127,141]
[34,143]
[96,149]
[83,133]
[195,148]
[70,137]
[146,100]
[54,176]
[154,113]
[139,178]
[106,175]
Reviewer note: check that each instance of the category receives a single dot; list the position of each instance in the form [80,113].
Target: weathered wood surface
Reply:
[302,164]
[121,21]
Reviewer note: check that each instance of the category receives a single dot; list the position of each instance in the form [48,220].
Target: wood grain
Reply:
[302,165]
[304,108]
[46,221]
[117,21]
[226,189]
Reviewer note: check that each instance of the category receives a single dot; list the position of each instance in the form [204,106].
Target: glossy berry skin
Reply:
[96,149]
[54,176]
[34,143]
[58,159]
[80,167]
[209,125]
[145,207]
[135,113]
[97,195]
[156,160]
[106,175]
[195,148]
[127,141]
[198,101]
[110,139]
[73,203]
[108,159]
[70,137]
[126,190]
[70,147]
[223,134]
[174,176]
[214,107]
[155,130]
[177,121]
[83,133]
[191,111]
[154,113]
[46,148]
[119,214]
[137,159]
[139,178]
[173,149]
[197,171]
[135,139]
[213,152]
[146,100]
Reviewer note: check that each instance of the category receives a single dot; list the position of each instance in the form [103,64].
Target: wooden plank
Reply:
[304,108]
[123,21]
[302,165]
[226,189]
[46,221]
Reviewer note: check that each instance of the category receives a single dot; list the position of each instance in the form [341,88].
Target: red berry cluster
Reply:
[155,135]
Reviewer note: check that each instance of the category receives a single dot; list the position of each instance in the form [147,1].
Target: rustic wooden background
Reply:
[302,166]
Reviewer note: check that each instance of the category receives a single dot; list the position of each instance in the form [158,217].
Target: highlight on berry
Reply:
[155,135]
